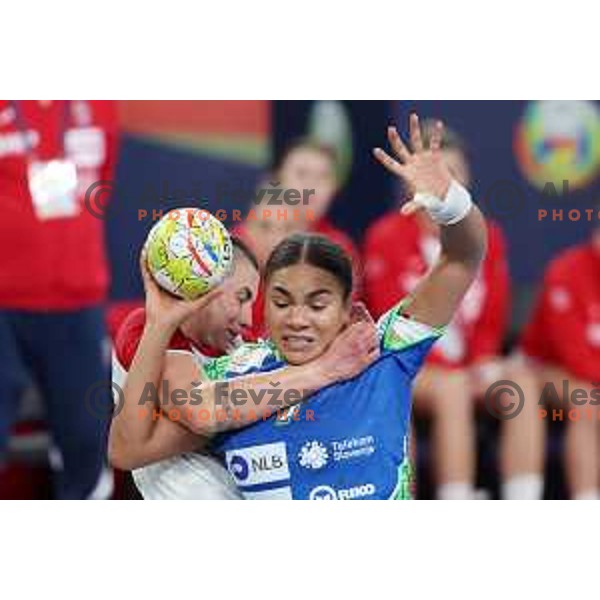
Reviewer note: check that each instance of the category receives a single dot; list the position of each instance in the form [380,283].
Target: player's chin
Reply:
[302,357]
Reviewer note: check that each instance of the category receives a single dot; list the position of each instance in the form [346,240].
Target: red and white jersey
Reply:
[564,329]
[190,476]
[398,253]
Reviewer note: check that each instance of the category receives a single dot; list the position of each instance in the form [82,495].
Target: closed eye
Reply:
[318,307]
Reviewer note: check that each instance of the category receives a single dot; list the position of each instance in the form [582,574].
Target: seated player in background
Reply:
[168,460]
[305,165]
[466,360]
[562,343]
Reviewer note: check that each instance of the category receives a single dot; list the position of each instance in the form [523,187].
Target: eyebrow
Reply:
[311,296]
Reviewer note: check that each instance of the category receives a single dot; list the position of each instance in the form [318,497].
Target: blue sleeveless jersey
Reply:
[347,441]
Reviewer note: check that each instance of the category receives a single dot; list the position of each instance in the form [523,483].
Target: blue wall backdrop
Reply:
[512,147]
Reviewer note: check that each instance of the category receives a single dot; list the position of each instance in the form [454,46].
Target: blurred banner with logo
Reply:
[206,154]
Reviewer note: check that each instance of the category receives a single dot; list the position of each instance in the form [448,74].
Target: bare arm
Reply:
[138,433]
[436,298]
[239,401]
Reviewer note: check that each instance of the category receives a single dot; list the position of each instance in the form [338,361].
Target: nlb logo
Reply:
[326,492]
[239,467]
[259,464]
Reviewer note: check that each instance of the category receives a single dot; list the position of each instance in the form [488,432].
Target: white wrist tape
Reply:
[452,209]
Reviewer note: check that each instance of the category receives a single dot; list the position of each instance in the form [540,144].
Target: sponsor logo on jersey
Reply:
[288,415]
[248,357]
[258,464]
[313,455]
[353,447]
[316,455]
[326,492]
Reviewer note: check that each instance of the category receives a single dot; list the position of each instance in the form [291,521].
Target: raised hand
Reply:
[422,170]
[166,310]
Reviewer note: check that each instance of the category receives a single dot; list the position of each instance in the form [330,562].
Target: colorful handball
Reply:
[189,252]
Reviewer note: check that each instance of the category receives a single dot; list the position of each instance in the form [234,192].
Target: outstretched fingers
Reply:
[398,145]
[436,136]
[388,162]
[415,133]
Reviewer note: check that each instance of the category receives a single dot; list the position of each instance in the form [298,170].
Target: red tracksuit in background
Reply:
[398,252]
[565,326]
[58,264]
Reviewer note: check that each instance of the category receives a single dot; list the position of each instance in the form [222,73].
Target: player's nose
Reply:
[297,318]
[245,315]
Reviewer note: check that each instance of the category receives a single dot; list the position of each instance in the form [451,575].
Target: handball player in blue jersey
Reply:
[349,439]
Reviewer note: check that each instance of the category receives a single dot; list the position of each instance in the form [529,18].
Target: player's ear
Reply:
[347,311]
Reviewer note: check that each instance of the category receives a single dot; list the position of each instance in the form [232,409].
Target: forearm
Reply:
[437,297]
[237,402]
[464,243]
[168,440]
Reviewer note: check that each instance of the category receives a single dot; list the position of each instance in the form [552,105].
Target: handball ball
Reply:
[189,252]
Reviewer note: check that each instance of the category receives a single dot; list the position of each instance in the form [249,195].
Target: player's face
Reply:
[222,322]
[305,311]
[310,169]
[458,166]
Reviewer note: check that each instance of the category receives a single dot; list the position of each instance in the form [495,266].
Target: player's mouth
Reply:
[297,343]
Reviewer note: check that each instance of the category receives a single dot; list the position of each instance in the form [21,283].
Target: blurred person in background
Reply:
[309,167]
[54,279]
[562,342]
[466,360]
